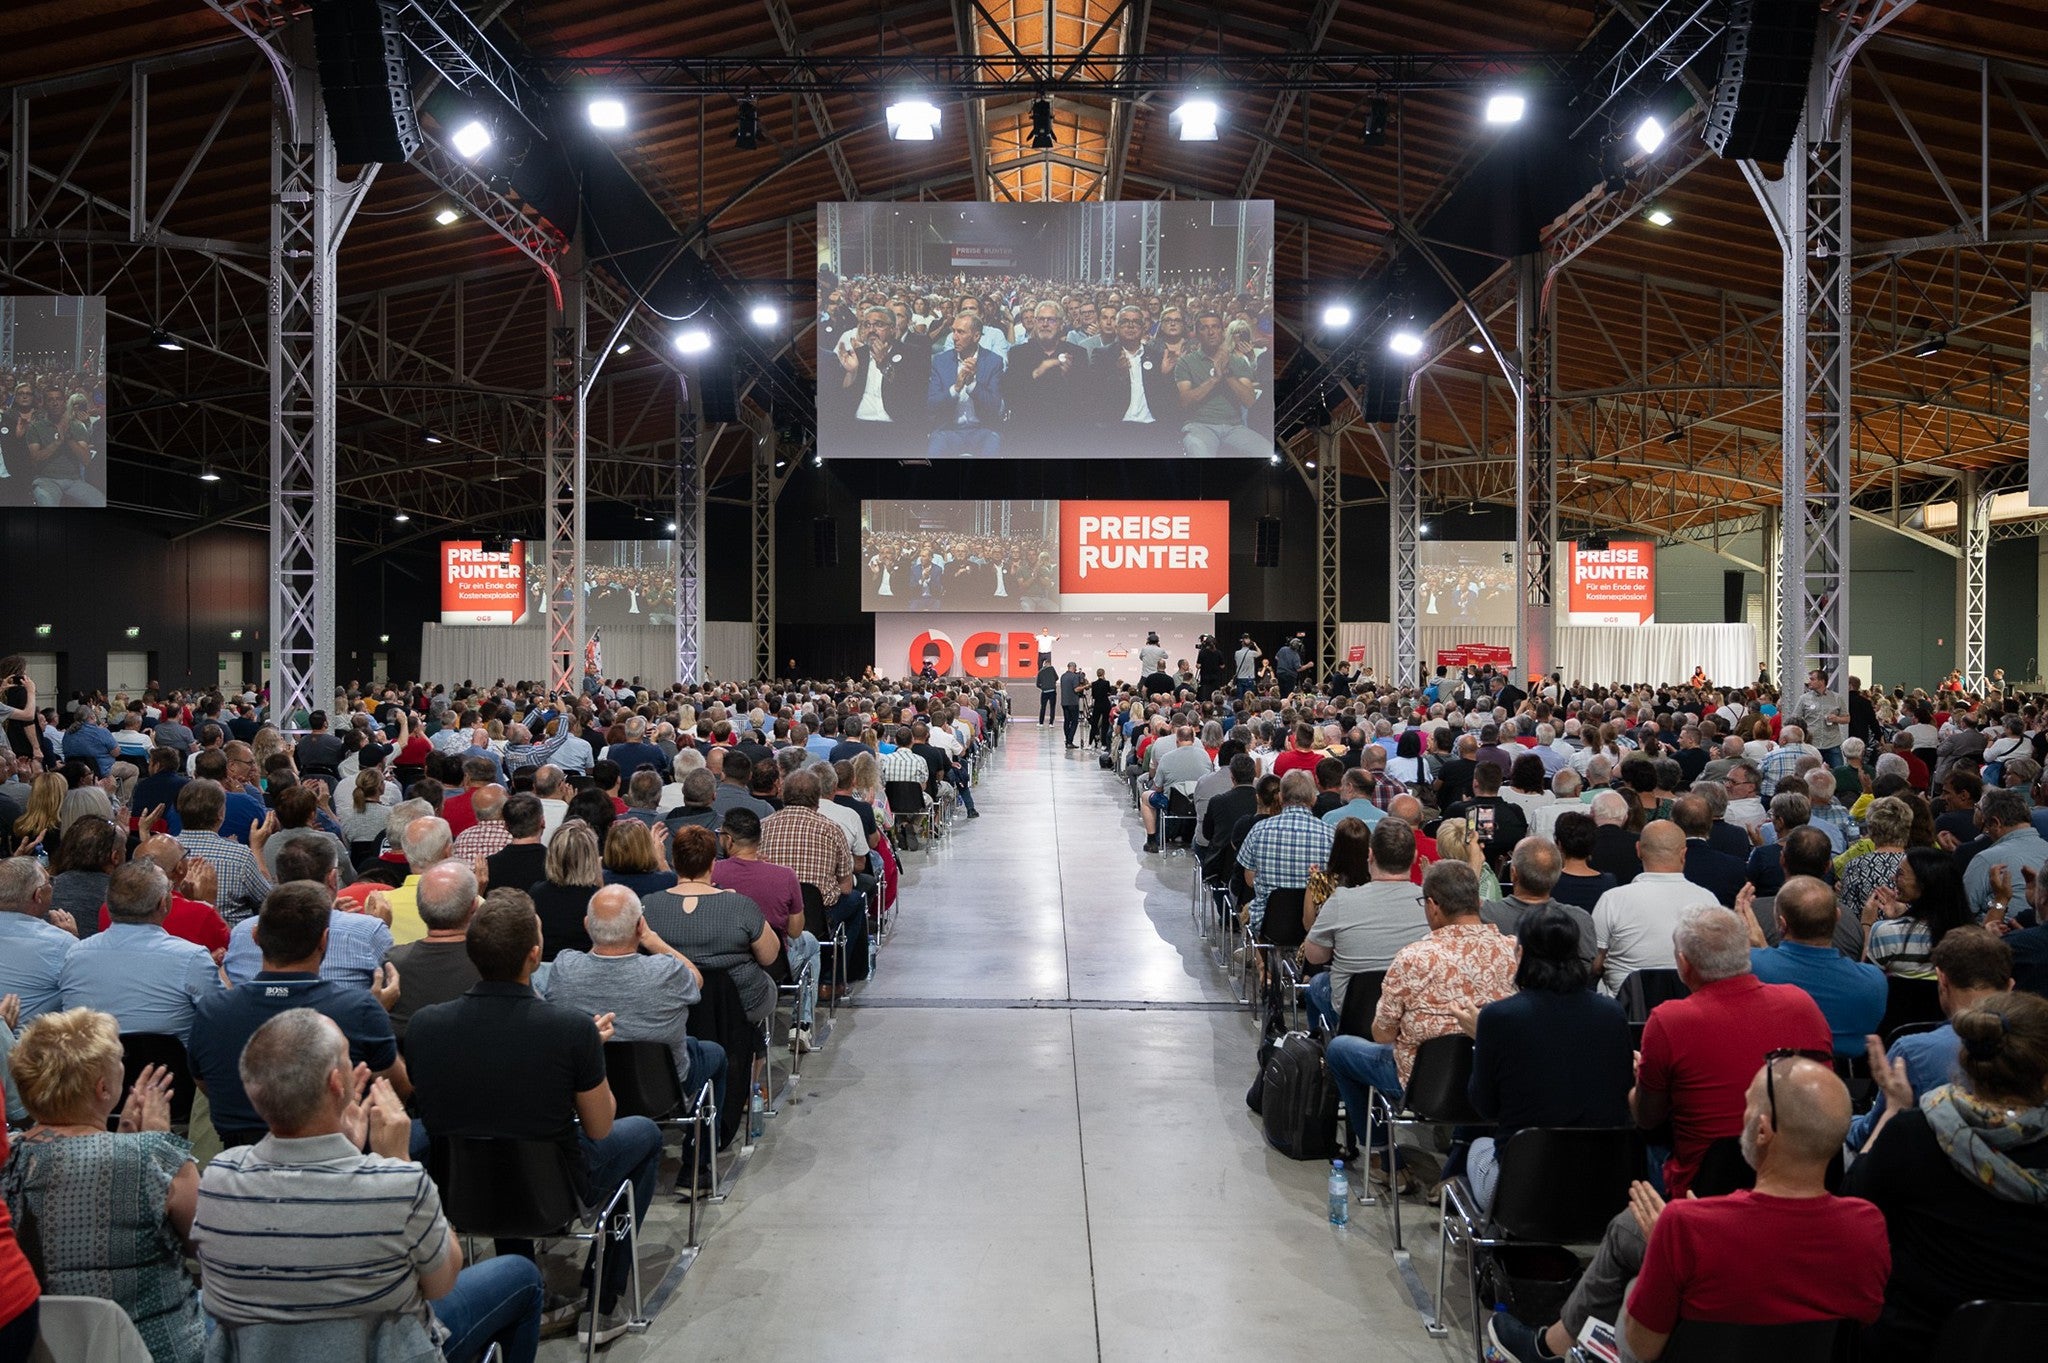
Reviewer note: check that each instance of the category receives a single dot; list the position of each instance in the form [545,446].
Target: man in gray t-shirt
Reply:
[1151,656]
[649,997]
[1537,865]
[1360,928]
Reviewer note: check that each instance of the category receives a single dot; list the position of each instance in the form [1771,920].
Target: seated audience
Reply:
[307,1226]
[488,835]
[1580,883]
[1905,921]
[78,883]
[1277,852]
[718,929]
[776,891]
[293,933]
[1710,870]
[107,1213]
[1970,966]
[643,982]
[1462,963]
[34,942]
[636,858]
[1850,993]
[541,1079]
[1553,1053]
[799,837]
[149,980]
[1537,866]
[1633,923]
[357,942]
[1959,1176]
[524,857]
[203,806]
[562,899]
[437,967]
[1371,913]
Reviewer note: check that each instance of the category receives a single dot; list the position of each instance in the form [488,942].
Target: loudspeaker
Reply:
[715,388]
[1266,543]
[1380,387]
[364,78]
[1766,58]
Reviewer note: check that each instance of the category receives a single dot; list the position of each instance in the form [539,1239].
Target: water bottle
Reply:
[756,1118]
[1340,1194]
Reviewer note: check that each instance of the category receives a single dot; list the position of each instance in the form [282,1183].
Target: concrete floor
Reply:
[1027,1139]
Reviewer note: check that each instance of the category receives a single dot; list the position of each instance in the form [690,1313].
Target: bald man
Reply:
[1633,923]
[1782,1252]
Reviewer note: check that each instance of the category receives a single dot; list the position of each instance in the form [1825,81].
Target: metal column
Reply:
[1535,473]
[689,519]
[1815,529]
[763,509]
[1404,500]
[1329,547]
[564,477]
[1148,244]
[306,211]
[1973,535]
[1771,554]
[1108,248]
[835,238]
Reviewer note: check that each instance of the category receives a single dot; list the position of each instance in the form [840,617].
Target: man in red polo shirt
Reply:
[1700,1052]
[1301,754]
[194,888]
[1784,1252]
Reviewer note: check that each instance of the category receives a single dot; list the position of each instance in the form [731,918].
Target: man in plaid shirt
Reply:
[808,843]
[1385,789]
[1783,760]
[202,804]
[1279,851]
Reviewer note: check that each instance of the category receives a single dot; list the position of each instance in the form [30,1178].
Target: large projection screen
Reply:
[53,408]
[1115,331]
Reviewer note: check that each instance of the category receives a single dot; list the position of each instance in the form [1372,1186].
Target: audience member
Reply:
[34,943]
[562,899]
[148,979]
[437,967]
[1905,921]
[1850,993]
[1970,966]
[1579,883]
[776,891]
[1371,913]
[1277,853]
[1633,923]
[357,942]
[1614,843]
[1537,866]
[716,928]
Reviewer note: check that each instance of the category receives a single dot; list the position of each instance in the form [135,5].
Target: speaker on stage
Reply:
[364,78]
[716,388]
[1766,58]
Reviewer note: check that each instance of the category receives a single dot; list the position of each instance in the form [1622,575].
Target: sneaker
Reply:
[801,1036]
[1508,1340]
[610,1325]
[973,813]
[559,1314]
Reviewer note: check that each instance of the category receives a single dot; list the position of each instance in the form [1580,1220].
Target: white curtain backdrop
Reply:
[1594,654]
[484,653]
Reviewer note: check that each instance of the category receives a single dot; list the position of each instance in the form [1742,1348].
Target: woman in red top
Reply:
[18,1288]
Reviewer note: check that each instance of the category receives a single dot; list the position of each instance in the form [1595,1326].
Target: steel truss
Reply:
[1973,535]
[689,530]
[1329,489]
[1404,499]
[565,482]
[765,486]
[1535,471]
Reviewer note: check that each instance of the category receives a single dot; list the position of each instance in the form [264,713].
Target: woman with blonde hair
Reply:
[105,1213]
[575,872]
[44,816]
[634,857]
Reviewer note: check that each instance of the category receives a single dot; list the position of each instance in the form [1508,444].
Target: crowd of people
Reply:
[1015,365]
[1797,941]
[53,433]
[364,936]
[956,570]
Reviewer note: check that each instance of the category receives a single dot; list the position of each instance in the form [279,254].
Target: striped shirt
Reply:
[314,1229]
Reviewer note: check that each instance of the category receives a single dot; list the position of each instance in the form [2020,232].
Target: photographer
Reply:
[18,710]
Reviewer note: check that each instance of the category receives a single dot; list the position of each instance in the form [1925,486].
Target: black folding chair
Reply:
[140,1049]
[908,807]
[504,1189]
[1808,1341]
[1991,1331]
[1435,1096]
[1640,994]
[644,1083]
[1910,1001]
[1361,1001]
[831,943]
[1557,1186]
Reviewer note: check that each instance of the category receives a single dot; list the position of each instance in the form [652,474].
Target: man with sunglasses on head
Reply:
[1782,1252]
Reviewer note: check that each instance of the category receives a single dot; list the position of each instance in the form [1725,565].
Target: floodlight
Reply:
[764,315]
[1505,107]
[693,340]
[1659,216]
[1197,118]
[471,140]
[1405,343]
[1336,316]
[163,340]
[607,113]
[914,119]
[1650,133]
[447,217]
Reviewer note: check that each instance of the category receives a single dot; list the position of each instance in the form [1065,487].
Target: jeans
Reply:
[803,951]
[630,1154]
[1832,757]
[707,1065]
[1319,1000]
[1482,1171]
[1358,1065]
[1244,686]
[962,786]
[1047,701]
[67,492]
[1202,440]
[1072,714]
[851,913]
[495,1302]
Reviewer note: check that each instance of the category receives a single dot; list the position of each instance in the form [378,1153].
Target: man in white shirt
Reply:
[552,789]
[1138,391]
[1046,639]
[1633,923]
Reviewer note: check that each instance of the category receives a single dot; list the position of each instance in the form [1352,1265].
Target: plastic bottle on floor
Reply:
[757,1122]
[1340,1194]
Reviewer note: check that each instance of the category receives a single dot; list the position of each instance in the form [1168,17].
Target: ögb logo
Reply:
[982,654]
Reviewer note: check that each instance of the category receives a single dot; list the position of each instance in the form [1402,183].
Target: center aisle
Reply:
[1027,1136]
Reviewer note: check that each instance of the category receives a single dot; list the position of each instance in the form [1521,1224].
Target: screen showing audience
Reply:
[53,415]
[1468,582]
[960,556]
[1048,331]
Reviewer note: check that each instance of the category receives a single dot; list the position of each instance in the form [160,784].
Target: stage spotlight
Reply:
[1659,216]
[1476,348]
[693,340]
[1197,119]
[207,474]
[1374,134]
[623,348]
[400,516]
[1336,316]
[447,217]
[1276,457]
[1405,343]
[471,140]
[430,438]
[163,340]
[915,119]
[817,461]
[1505,108]
[671,527]
[764,315]
[746,134]
[1649,134]
[1422,530]
[1936,342]
[607,113]
[1042,136]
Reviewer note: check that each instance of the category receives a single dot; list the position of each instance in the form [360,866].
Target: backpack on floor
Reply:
[1106,760]
[1298,1100]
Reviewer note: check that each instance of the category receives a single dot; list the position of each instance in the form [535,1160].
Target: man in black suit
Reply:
[1614,847]
[1047,384]
[1710,870]
[880,395]
[1139,400]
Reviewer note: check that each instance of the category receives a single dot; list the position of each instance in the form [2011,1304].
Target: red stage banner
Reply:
[1475,655]
[1613,586]
[1165,556]
[480,586]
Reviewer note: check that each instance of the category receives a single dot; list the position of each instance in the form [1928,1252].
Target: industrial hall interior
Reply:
[1059,681]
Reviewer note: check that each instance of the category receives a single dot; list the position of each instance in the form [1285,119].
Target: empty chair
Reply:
[1435,1096]
[1990,1331]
